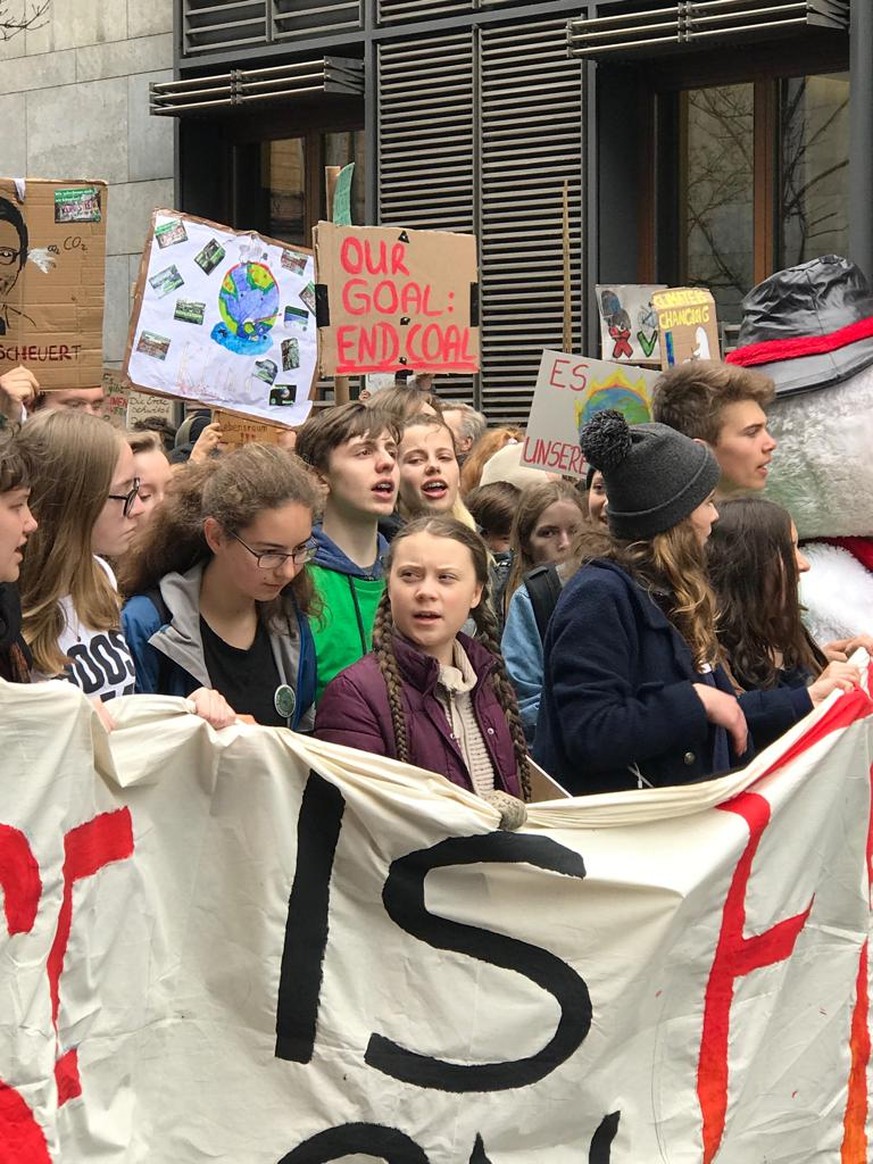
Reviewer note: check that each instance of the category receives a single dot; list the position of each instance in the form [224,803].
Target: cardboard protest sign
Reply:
[390,299]
[116,392]
[52,280]
[224,318]
[569,391]
[628,322]
[250,946]
[687,324]
[239,430]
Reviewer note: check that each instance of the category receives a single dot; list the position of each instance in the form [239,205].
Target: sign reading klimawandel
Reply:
[251,947]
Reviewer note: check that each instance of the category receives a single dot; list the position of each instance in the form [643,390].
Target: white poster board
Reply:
[224,318]
[569,391]
[628,322]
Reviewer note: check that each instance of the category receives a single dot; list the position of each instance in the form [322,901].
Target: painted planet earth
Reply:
[633,407]
[248,303]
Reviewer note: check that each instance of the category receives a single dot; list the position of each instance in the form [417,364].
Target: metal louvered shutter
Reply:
[426,143]
[500,175]
[531,141]
[210,25]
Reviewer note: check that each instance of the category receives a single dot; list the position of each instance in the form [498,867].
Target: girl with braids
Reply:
[634,694]
[755,566]
[219,590]
[428,694]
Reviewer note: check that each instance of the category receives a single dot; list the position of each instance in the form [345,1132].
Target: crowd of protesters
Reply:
[401,583]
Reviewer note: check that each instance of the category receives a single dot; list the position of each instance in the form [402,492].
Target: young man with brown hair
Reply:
[353,452]
[725,407]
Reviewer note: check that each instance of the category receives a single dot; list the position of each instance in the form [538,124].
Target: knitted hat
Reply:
[654,476]
[505,465]
[809,326]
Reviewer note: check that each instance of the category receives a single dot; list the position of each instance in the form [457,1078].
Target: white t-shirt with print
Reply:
[100,661]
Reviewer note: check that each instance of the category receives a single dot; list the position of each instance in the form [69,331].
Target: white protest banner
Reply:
[568,392]
[628,322]
[391,299]
[224,318]
[250,947]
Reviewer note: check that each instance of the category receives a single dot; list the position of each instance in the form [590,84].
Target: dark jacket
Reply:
[354,710]
[15,657]
[167,647]
[618,692]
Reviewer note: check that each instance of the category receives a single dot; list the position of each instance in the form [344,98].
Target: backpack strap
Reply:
[544,587]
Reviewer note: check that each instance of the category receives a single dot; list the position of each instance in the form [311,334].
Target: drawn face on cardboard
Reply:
[13,251]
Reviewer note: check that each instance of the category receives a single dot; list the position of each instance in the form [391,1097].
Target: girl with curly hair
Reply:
[428,694]
[219,590]
[634,691]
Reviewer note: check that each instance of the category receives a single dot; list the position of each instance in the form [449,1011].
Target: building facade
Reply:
[703,142]
[74,103]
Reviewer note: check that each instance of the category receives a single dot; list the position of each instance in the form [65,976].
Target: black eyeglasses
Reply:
[8,256]
[127,498]
[273,559]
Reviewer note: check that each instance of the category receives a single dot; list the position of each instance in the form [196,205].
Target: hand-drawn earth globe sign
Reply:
[248,303]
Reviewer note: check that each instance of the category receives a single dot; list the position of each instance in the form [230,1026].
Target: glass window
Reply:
[283,177]
[340,149]
[717,214]
[814,167]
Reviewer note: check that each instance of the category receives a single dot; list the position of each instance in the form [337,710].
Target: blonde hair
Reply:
[675,562]
[458,511]
[74,457]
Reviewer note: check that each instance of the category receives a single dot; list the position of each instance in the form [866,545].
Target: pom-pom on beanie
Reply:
[655,477]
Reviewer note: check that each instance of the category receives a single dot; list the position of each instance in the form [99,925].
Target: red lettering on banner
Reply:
[22,1140]
[357,254]
[560,456]
[854,1145]
[87,849]
[735,956]
[19,876]
[558,378]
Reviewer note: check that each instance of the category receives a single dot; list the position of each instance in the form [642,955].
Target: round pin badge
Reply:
[284,701]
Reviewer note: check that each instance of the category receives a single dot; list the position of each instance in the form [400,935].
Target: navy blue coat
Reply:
[618,692]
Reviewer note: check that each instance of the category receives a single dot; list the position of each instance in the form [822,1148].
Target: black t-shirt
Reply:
[247,679]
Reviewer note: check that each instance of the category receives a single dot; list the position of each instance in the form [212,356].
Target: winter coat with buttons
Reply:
[618,700]
[354,711]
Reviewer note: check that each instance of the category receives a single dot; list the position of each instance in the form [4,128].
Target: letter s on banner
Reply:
[403,897]
[22,1140]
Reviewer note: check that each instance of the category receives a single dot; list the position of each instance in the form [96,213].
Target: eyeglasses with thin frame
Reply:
[127,498]
[273,559]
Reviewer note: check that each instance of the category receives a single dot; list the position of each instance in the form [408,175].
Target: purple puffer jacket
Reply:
[354,711]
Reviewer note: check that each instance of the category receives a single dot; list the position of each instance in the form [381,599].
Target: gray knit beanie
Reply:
[654,476]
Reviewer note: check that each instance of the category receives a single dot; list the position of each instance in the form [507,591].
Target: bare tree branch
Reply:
[33,15]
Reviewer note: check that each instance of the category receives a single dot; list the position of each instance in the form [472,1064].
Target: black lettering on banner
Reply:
[601,1142]
[306,927]
[478,1156]
[372,1139]
[403,896]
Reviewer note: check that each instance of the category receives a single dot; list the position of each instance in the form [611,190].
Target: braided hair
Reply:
[487,633]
